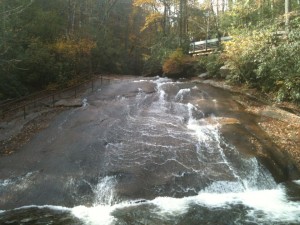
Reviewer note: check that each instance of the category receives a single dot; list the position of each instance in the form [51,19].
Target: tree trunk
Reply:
[182,21]
[287,11]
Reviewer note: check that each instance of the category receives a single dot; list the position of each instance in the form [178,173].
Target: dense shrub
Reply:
[242,56]
[178,64]
[280,68]
[263,61]
[211,64]
[38,66]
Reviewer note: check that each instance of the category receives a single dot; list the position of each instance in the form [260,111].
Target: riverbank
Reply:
[280,121]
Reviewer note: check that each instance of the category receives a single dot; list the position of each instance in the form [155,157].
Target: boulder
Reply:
[224,71]
[204,75]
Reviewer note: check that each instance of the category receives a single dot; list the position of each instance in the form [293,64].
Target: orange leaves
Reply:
[177,63]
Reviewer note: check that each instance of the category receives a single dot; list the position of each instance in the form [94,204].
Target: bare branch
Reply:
[17,10]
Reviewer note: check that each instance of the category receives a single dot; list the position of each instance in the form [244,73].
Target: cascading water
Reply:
[155,154]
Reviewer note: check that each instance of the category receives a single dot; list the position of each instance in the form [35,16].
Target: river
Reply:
[150,151]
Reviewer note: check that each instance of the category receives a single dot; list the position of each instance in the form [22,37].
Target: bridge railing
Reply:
[206,46]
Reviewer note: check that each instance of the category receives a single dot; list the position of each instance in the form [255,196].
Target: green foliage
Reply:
[46,42]
[37,67]
[263,61]
[256,56]
[211,64]
[242,55]
[159,52]
[10,86]
[280,69]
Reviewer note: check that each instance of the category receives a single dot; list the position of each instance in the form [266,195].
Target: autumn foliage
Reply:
[178,64]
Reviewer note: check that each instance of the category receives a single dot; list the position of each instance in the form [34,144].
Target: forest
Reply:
[54,44]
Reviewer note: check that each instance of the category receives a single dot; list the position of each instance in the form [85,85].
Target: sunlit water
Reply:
[166,162]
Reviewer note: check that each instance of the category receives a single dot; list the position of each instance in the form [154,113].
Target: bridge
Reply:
[206,47]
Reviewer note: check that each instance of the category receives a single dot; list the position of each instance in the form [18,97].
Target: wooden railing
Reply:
[36,102]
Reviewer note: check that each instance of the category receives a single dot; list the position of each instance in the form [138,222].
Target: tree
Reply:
[287,11]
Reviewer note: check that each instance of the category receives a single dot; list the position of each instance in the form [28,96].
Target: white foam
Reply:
[171,206]
[266,206]
[101,214]
[162,80]
[105,192]
[224,187]
[297,182]
[271,205]
[200,131]
[139,81]
[95,215]
[85,103]
[181,93]
[4,183]
[162,95]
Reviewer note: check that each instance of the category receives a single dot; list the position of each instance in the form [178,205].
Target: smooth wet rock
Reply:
[74,102]
[222,120]
[279,114]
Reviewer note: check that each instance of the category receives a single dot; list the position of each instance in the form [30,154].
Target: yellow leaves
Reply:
[86,45]
[72,48]
[144,2]
[65,47]
[245,44]
[152,19]
[152,7]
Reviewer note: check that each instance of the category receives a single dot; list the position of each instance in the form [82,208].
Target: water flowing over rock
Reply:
[150,151]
